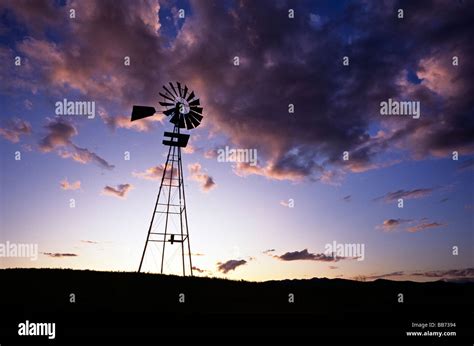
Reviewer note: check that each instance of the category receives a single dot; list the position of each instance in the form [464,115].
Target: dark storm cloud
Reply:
[90,55]
[282,61]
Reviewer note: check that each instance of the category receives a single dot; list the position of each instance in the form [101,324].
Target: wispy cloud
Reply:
[14,129]
[467,273]
[452,273]
[205,180]
[405,194]
[201,271]
[156,173]
[58,138]
[66,185]
[120,191]
[123,122]
[210,154]
[89,242]
[391,224]
[285,203]
[28,104]
[423,226]
[84,156]
[59,134]
[59,254]
[467,165]
[308,256]
[189,149]
[381,276]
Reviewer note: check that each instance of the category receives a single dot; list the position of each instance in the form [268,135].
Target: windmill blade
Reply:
[179,89]
[195,115]
[168,112]
[196,109]
[181,123]
[191,96]
[193,119]
[194,103]
[166,97]
[175,119]
[185,92]
[140,112]
[189,124]
[168,91]
[172,87]
[166,104]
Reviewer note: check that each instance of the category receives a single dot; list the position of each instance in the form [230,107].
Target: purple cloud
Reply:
[230,265]
[120,191]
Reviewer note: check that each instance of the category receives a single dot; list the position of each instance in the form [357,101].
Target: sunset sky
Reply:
[241,223]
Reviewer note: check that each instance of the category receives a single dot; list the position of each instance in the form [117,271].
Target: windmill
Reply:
[184,111]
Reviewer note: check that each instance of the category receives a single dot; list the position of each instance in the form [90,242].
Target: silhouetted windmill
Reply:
[183,109]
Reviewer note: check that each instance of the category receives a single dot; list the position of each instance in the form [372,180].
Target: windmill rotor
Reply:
[181,106]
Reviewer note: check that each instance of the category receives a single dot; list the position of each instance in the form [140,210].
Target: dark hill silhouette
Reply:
[322,307]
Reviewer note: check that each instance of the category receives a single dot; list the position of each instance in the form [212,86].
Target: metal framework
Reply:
[172,186]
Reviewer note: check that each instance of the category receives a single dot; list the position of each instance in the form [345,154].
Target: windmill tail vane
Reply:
[169,221]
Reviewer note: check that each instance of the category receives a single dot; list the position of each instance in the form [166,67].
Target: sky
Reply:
[305,93]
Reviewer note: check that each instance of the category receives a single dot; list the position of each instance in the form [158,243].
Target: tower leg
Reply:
[185,215]
[167,207]
[154,210]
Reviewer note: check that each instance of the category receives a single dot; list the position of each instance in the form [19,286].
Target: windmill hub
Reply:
[183,105]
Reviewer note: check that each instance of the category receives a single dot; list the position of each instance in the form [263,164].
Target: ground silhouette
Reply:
[134,304]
